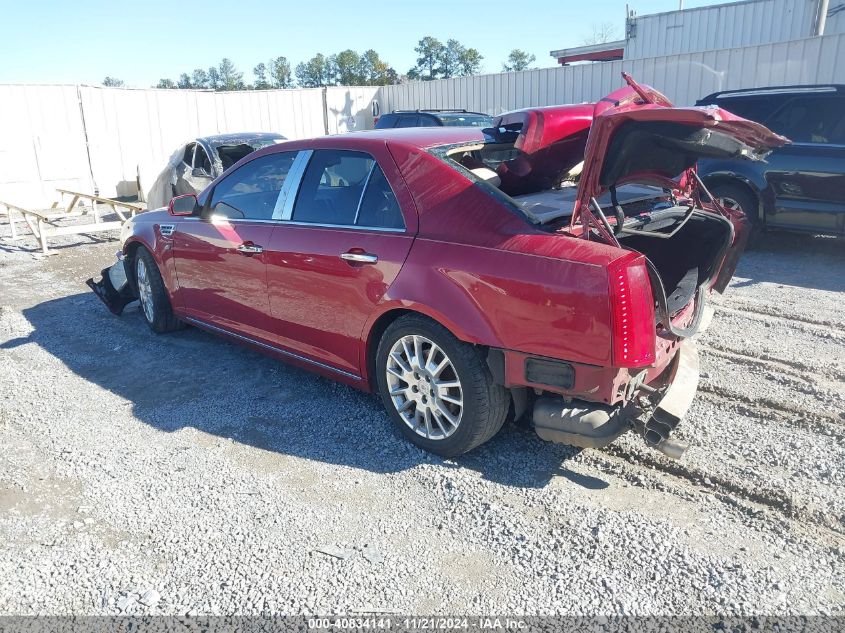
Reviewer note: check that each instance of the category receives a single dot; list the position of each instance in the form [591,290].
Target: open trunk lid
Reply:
[690,243]
[638,136]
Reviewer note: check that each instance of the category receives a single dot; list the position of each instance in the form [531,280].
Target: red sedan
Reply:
[554,265]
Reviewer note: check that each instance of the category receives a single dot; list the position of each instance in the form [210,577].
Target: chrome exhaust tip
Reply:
[672,448]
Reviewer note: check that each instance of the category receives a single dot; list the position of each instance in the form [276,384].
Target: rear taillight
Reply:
[375,120]
[633,335]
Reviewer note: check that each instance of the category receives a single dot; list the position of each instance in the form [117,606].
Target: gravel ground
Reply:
[180,474]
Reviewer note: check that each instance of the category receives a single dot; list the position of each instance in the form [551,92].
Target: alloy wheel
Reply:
[424,387]
[145,289]
[729,203]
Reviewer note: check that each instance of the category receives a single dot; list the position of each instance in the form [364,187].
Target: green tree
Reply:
[470,62]
[450,59]
[314,73]
[199,78]
[113,82]
[260,72]
[280,75]
[375,71]
[346,68]
[518,60]
[165,83]
[213,78]
[230,78]
[184,82]
[430,51]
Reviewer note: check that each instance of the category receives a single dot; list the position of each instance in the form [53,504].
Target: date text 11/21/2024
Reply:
[418,623]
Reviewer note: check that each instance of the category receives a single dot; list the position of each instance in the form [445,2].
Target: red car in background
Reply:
[462,273]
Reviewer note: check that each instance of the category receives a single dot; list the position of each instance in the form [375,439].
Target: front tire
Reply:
[437,390]
[152,294]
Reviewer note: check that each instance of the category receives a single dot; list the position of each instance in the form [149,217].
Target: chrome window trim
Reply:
[364,190]
[786,90]
[283,210]
[284,203]
[273,348]
[380,229]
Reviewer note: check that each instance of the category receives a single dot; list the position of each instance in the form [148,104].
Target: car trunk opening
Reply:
[685,261]
[684,240]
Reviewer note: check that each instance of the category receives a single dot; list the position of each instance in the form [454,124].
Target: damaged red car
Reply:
[554,266]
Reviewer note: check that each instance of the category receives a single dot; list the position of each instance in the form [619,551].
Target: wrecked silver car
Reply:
[193,166]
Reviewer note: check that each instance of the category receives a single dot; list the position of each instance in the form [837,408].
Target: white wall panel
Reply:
[349,109]
[42,144]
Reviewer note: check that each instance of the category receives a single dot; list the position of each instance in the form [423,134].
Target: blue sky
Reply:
[85,40]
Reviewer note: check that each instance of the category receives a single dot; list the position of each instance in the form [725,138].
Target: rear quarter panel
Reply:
[505,299]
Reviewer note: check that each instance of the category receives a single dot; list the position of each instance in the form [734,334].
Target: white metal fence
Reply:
[82,137]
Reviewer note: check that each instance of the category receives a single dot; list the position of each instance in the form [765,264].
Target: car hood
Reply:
[638,136]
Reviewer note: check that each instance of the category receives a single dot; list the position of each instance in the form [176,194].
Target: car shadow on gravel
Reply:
[799,256]
[194,379]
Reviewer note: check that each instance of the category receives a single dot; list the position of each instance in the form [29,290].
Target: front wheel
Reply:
[437,390]
[152,294]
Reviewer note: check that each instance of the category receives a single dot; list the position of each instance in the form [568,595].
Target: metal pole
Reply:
[822,17]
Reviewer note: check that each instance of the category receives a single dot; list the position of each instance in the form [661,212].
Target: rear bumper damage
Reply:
[652,413]
[113,289]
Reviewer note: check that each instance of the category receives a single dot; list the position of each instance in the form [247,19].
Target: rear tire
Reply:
[738,197]
[152,294]
[437,390]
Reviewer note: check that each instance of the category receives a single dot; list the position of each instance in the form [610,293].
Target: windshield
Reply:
[465,119]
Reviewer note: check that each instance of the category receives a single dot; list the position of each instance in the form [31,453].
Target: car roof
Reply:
[438,111]
[409,137]
[817,89]
[236,138]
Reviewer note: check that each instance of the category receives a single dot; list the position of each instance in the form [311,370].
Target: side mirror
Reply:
[199,172]
[183,205]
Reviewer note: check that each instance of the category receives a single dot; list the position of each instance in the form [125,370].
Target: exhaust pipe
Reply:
[577,423]
[672,448]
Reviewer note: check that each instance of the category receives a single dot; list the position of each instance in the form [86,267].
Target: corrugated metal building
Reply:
[733,25]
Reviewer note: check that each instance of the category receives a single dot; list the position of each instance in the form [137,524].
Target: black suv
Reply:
[429,118]
[800,186]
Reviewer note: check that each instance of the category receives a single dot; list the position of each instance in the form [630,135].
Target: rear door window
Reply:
[386,121]
[379,207]
[811,120]
[346,188]
[752,108]
[251,191]
[408,120]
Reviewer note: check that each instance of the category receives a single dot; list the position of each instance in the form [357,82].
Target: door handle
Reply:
[360,258]
[250,249]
